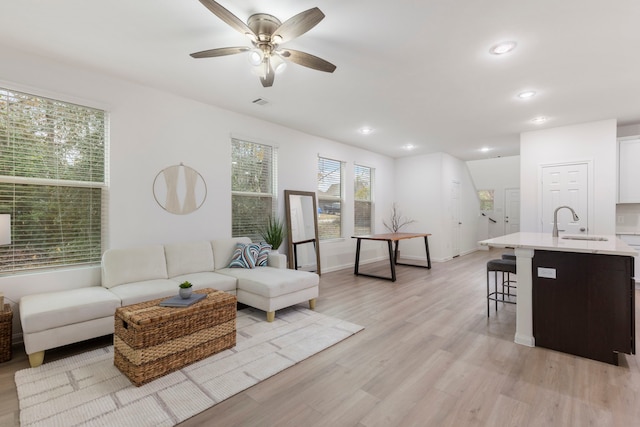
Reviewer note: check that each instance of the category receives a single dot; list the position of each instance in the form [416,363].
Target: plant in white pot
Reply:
[186,288]
[273,232]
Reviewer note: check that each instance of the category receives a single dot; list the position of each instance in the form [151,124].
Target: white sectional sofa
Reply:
[134,275]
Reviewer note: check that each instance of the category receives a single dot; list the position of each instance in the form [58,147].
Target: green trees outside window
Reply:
[253,187]
[52,180]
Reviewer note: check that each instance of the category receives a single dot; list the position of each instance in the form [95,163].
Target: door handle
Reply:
[582,229]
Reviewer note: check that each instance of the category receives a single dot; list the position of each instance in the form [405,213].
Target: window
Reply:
[52,181]
[363,200]
[486,200]
[329,198]
[253,187]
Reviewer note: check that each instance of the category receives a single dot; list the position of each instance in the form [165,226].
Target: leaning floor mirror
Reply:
[302,230]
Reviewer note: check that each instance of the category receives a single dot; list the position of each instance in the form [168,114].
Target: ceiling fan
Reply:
[266,33]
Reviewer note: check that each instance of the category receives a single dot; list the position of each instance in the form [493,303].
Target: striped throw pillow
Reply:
[263,255]
[245,255]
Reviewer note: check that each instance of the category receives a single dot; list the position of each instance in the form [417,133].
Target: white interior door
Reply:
[568,185]
[455,219]
[511,210]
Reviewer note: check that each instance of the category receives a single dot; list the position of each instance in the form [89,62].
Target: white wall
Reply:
[423,188]
[496,174]
[594,142]
[150,130]
[628,213]
[628,130]
[457,170]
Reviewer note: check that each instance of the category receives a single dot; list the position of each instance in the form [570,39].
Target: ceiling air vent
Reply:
[260,101]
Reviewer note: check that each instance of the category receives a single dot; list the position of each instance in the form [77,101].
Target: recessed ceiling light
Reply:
[539,120]
[485,149]
[502,48]
[408,147]
[527,94]
[366,130]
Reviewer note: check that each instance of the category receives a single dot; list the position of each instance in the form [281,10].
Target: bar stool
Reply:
[504,295]
[509,256]
[512,257]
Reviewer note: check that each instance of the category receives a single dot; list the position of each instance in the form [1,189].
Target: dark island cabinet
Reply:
[584,304]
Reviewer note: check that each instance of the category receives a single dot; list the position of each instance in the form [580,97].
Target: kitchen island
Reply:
[575,293]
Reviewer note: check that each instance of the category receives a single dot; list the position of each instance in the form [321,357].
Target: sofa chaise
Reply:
[134,275]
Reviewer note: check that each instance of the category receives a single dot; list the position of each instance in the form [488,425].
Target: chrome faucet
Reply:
[555,219]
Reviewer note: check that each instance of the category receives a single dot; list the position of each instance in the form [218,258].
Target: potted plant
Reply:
[273,232]
[185,289]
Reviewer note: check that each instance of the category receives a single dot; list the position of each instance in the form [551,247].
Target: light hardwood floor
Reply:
[428,356]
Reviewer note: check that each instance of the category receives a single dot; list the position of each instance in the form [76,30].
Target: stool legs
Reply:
[497,295]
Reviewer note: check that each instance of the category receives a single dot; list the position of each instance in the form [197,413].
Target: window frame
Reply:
[484,201]
[254,225]
[359,230]
[331,200]
[47,128]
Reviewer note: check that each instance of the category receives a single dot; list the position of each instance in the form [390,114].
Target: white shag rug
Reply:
[88,390]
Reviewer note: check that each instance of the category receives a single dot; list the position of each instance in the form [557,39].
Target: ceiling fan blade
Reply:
[267,80]
[211,53]
[307,60]
[229,18]
[298,25]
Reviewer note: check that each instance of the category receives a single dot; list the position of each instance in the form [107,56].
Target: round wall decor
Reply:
[179,189]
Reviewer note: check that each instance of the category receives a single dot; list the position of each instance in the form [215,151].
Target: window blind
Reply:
[52,180]
[330,201]
[363,200]
[253,187]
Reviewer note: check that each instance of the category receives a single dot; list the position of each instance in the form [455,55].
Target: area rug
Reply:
[88,390]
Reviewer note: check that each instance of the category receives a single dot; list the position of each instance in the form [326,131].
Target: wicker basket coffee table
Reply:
[151,341]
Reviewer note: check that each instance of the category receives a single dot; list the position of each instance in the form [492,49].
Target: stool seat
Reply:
[505,265]
[505,295]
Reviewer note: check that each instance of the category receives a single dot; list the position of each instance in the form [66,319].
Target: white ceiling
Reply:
[417,71]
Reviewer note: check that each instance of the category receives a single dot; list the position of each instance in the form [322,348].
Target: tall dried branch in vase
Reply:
[397,220]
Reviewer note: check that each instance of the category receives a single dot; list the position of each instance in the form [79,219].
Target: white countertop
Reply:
[544,241]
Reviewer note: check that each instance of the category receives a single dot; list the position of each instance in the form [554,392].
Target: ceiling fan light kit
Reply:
[278,64]
[266,33]
[255,57]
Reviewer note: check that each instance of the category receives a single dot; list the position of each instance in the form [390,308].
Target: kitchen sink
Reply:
[593,238]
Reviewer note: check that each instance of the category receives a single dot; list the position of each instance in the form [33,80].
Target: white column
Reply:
[524,306]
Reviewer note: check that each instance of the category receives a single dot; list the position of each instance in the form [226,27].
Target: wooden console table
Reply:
[393,252]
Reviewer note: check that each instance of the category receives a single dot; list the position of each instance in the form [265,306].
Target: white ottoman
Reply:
[270,289]
[55,319]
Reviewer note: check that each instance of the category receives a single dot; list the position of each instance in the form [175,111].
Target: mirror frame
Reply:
[287,207]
